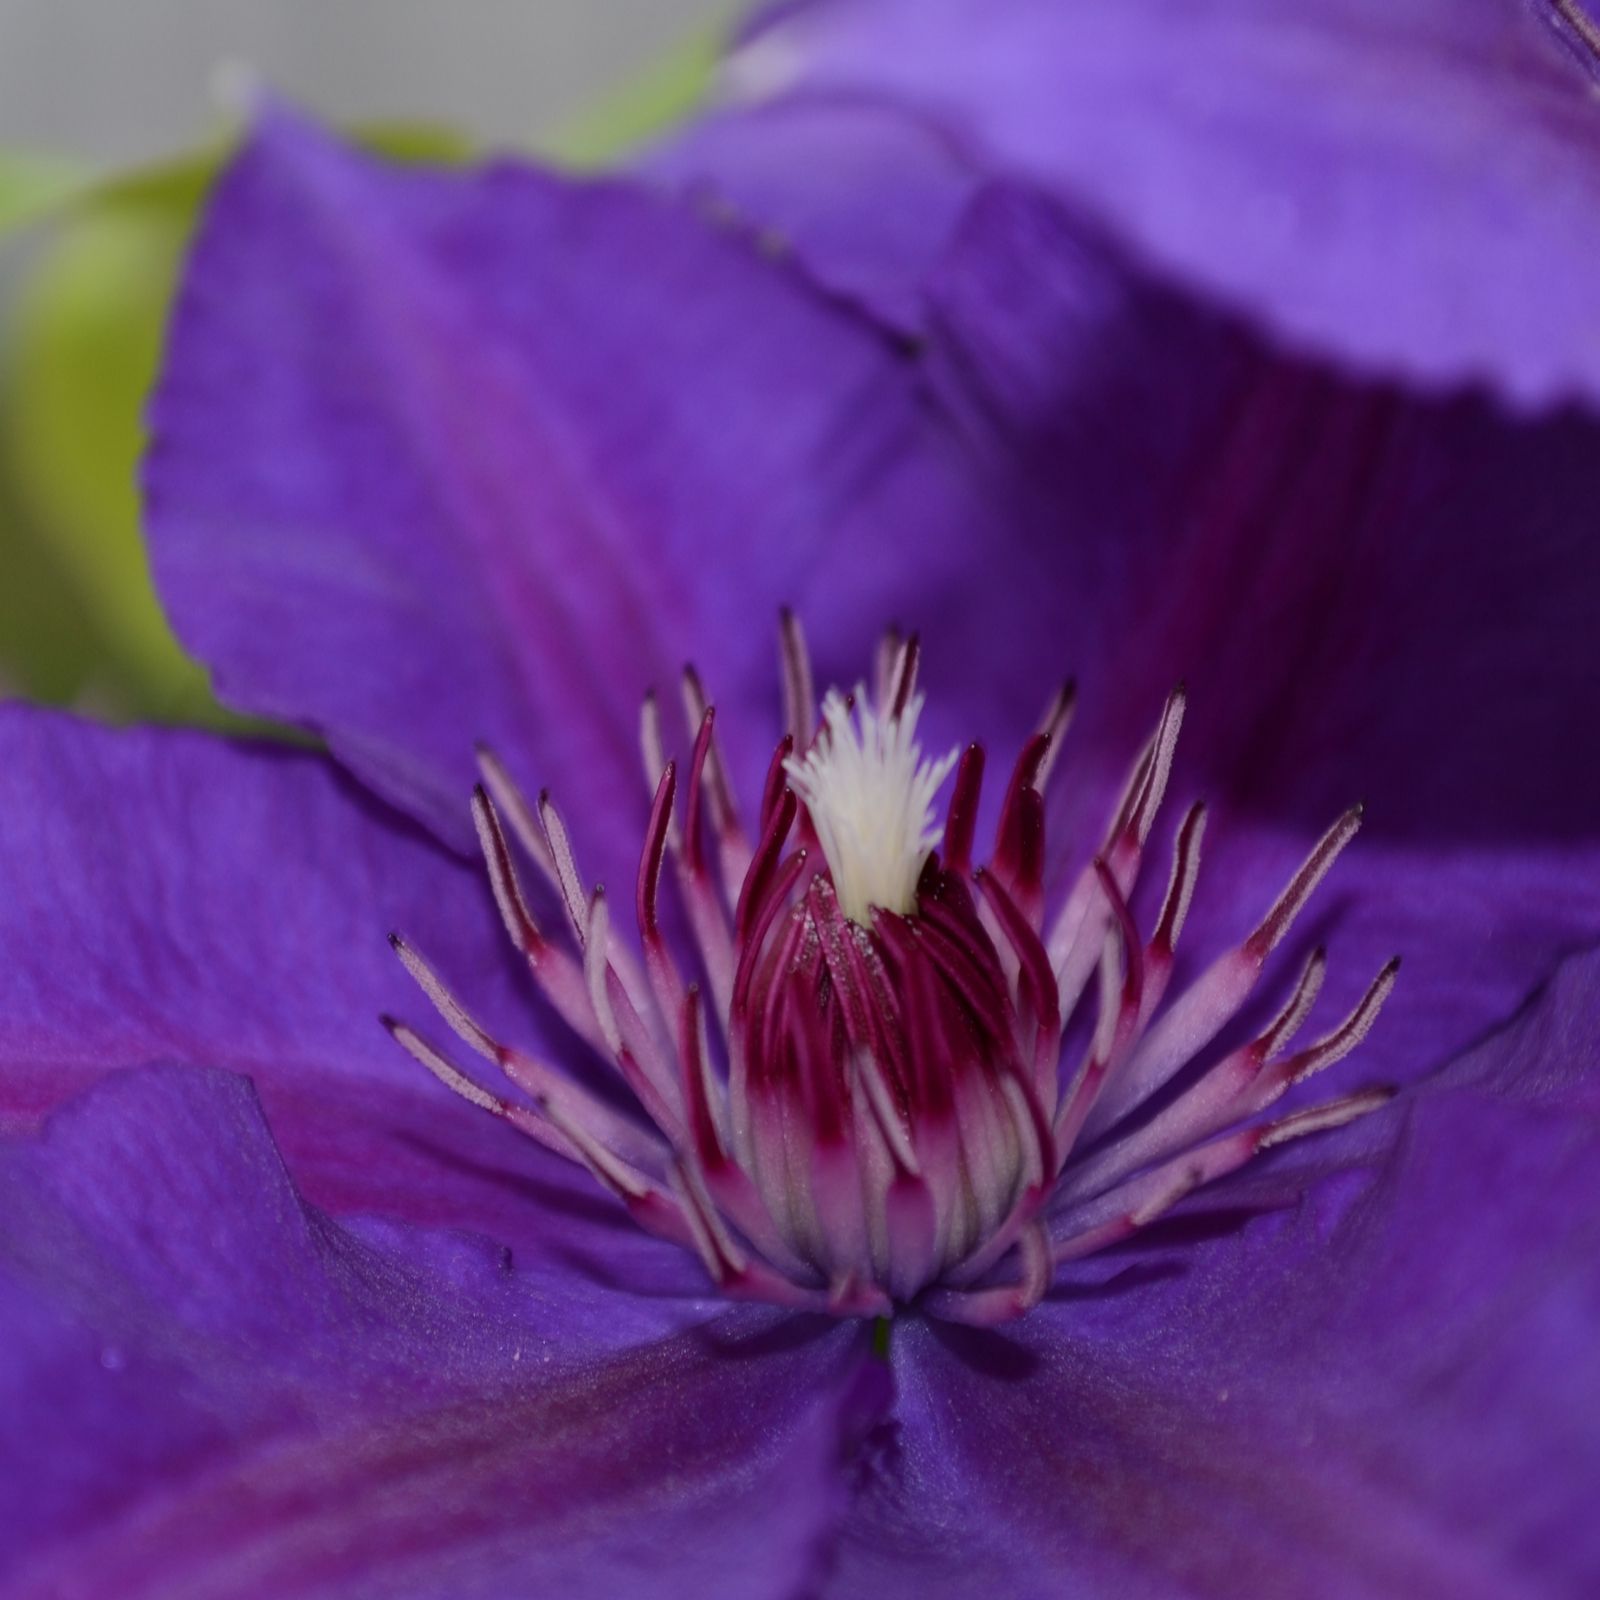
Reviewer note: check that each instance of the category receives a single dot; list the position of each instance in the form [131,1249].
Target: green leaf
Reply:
[84,338]
[32,186]
[665,93]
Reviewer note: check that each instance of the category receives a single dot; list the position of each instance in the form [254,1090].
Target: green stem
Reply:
[880,1338]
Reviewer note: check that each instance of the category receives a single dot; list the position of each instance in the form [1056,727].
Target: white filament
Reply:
[870,794]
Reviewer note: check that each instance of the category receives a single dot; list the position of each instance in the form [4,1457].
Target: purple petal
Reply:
[1390,1389]
[484,455]
[656,462]
[170,896]
[867,195]
[210,1388]
[1369,598]
[1412,188]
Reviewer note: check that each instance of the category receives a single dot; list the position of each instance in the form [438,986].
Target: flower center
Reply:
[897,1078]
[870,798]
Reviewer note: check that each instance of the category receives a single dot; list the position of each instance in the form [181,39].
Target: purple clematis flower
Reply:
[448,459]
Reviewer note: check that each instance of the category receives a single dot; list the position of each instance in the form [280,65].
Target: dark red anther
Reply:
[655,848]
[697,769]
[702,1125]
[1019,840]
[927,1034]
[764,863]
[503,875]
[906,677]
[859,983]
[1133,977]
[982,996]
[1036,977]
[793,967]
[1184,867]
[815,1066]
[1298,890]
[755,935]
[962,819]
[719,792]
[777,777]
[1145,787]
[1043,1133]
[799,696]
[951,924]
[1057,718]
[1122,821]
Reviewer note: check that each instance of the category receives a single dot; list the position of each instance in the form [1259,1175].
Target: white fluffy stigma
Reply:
[870,794]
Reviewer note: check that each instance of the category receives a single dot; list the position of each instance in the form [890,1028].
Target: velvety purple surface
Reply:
[439,457]
[170,897]
[1411,187]
[212,1389]
[864,194]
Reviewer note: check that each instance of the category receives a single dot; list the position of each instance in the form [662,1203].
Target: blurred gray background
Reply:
[123,80]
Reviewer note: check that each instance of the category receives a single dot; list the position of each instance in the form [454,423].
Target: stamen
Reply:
[962,821]
[777,779]
[596,971]
[510,800]
[1288,1021]
[903,677]
[985,1308]
[1197,1017]
[653,752]
[693,857]
[733,850]
[542,1083]
[1185,872]
[514,911]
[655,849]
[700,713]
[1338,1044]
[894,1126]
[1053,725]
[443,1069]
[799,698]
[566,865]
[1019,840]
[890,644]
[1289,904]
[451,1076]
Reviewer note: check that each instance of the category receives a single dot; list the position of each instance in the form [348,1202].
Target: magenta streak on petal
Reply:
[554,1486]
[895,1124]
